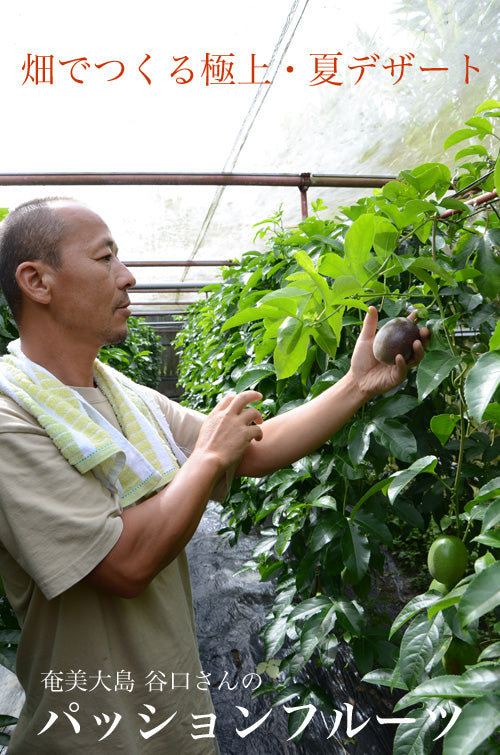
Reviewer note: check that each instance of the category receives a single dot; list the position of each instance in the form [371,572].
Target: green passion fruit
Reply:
[447,559]
[395,337]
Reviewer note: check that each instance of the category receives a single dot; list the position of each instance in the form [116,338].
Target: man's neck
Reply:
[72,365]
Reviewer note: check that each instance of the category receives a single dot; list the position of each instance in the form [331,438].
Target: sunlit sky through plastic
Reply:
[373,126]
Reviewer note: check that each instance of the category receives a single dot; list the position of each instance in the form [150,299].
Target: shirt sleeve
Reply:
[55,522]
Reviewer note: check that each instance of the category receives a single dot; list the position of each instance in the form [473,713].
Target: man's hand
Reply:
[373,377]
[155,532]
[229,429]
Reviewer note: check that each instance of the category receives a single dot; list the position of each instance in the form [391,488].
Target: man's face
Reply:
[90,288]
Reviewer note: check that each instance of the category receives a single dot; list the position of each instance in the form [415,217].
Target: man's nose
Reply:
[127,280]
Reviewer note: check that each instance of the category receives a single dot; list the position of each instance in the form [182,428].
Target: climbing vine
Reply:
[421,461]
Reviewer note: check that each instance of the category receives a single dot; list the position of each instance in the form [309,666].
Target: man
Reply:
[91,536]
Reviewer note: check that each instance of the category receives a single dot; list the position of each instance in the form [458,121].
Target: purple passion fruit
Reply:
[395,337]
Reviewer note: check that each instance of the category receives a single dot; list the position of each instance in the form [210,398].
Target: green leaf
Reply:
[6,720]
[477,149]
[442,425]
[459,136]
[250,315]
[285,298]
[323,533]
[394,406]
[325,338]
[288,693]
[384,677]
[309,607]
[482,124]
[344,287]
[373,525]
[492,413]
[283,539]
[481,596]
[487,105]
[492,651]
[385,237]
[490,490]
[415,605]
[432,370]
[413,736]
[475,682]
[450,599]
[432,178]
[253,376]
[494,342]
[419,645]
[274,635]
[289,333]
[315,630]
[359,441]
[396,437]
[488,263]
[477,721]
[357,245]
[307,264]
[482,563]
[287,364]
[427,263]
[333,264]
[491,539]
[481,383]
[350,615]
[355,550]
[380,485]
[399,480]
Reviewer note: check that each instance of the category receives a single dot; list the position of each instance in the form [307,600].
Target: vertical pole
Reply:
[303,187]
[303,202]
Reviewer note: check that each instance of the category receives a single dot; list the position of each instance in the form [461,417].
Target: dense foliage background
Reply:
[411,465]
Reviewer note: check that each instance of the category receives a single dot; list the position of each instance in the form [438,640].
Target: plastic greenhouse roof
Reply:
[289,86]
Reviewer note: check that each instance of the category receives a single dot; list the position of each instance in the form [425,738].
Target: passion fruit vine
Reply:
[395,337]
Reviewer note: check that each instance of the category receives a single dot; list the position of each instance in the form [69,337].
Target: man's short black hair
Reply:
[33,231]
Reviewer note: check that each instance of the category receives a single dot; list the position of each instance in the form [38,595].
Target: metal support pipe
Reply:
[192,179]
[302,180]
[163,304]
[177,287]
[179,263]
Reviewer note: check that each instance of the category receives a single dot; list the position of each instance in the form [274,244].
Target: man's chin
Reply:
[115,339]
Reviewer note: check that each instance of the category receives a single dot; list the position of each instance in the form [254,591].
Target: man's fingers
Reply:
[252,415]
[238,402]
[370,323]
[418,353]
[425,335]
[225,402]
[255,432]
[401,366]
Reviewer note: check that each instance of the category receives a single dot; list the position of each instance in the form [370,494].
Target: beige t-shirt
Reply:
[101,673]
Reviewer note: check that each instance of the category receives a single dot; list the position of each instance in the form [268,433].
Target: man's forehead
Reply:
[69,208]
[81,222]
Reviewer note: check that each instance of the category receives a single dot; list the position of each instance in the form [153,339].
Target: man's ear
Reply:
[33,278]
